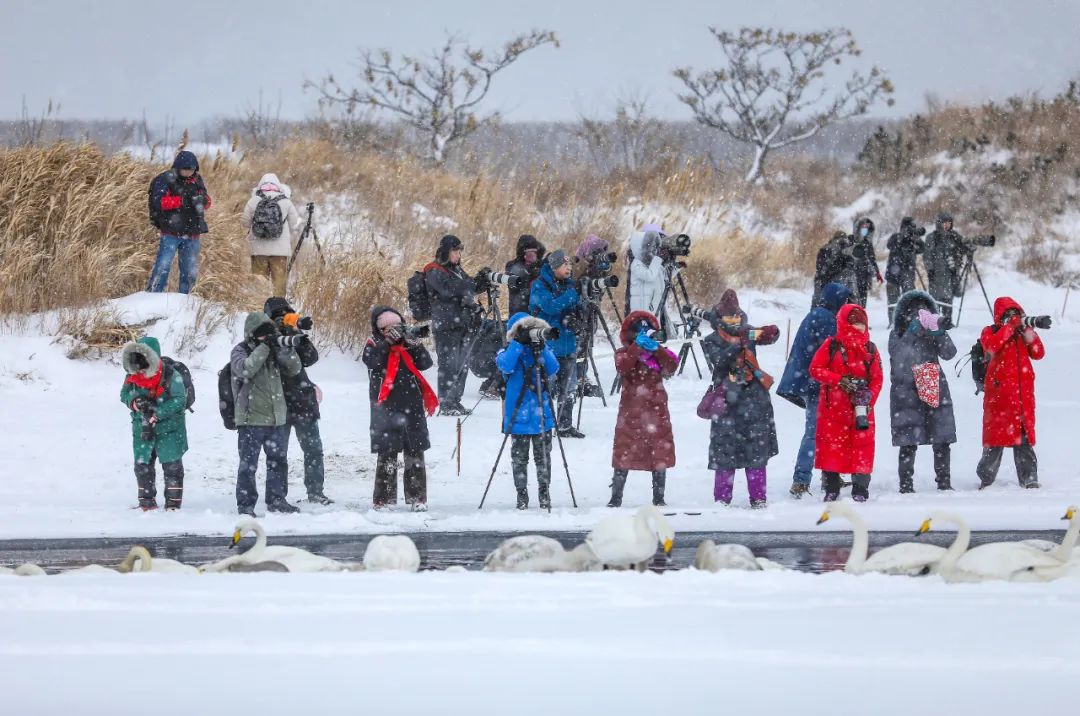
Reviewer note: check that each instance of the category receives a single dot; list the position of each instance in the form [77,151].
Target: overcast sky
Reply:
[193,59]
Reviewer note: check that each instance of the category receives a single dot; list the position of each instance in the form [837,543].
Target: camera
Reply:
[675,245]
[700,314]
[1043,322]
[488,278]
[919,231]
[295,320]
[595,286]
[658,334]
[290,341]
[146,412]
[861,398]
[539,335]
[417,332]
[976,241]
[855,250]
[599,262]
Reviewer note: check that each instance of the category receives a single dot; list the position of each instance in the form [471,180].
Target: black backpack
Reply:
[226,401]
[268,222]
[185,375]
[979,359]
[419,299]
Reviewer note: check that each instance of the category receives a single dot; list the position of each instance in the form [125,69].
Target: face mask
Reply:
[864,232]
[530,257]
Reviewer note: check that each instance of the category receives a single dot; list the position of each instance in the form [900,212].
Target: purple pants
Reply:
[725,480]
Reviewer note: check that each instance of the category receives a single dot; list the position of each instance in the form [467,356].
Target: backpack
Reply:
[185,375]
[419,299]
[268,222]
[226,400]
[979,359]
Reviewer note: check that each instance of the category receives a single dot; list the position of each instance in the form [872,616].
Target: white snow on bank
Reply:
[67,468]
[620,643]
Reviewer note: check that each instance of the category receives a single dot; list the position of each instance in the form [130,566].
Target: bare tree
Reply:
[437,95]
[262,123]
[629,141]
[773,91]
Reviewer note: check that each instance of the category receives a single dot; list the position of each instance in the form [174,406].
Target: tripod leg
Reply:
[614,303]
[494,467]
[596,374]
[682,357]
[693,354]
[541,374]
[978,278]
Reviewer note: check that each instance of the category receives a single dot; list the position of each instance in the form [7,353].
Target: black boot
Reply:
[144,479]
[618,482]
[659,479]
[521,484]
[907,486]
[544,498]
[281,505]
[174,484]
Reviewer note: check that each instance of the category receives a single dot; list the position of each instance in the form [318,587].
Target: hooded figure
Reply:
[866,266]
[454,314]
[744,436]
[154,392]
[904,249]
[643,435]
[944,256]
[178,205]
[557,302]
[528,258]
[836,263]
[848,367]
[645,286]
[269,256]
[401,401]
[920,404]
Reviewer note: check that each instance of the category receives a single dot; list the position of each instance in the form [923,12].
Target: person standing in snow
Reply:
[836,263]
[302,396]
[1009,399]
[556,301]
[528,258]
[866,265]
[401,401]
[920,404]
[454,314]
[744,436]
[526,419]
[643,435]
[261,414]
[796,384]
[154,392]
[178,202]
[271,221]
[848,367]
[596,263]
[904,248]
[944,257]
[646,275]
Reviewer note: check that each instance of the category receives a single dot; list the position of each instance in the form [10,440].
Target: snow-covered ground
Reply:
[67,466]
[619,643]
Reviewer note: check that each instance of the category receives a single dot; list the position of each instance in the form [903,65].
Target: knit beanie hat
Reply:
[387,319]
[557,258]
[728,305]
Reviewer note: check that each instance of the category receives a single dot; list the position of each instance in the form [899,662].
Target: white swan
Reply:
[23,570]
[293,558]
[907,558]
[124,567]
[997,560]
[391,553]
[141,555]
[712,557]
[630,541]
[536,553]
[1064,553]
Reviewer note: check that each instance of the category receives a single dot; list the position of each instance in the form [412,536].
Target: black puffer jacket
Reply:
[399,423]
[519,296]
[452,291]
[904,246]
[301,398]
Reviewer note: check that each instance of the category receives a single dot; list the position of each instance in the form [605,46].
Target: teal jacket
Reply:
[170,434]
[256,378]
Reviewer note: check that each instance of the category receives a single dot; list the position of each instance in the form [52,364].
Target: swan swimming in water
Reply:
[631,541]
[292,558]
[141,555]
[391,553]
[907,558]
[712,557]
[135,553]
[23,570]
[536,553]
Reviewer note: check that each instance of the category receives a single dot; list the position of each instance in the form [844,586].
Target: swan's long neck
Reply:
[260,542]
[1063,552]
[138,552]
[959,544]
[860,543]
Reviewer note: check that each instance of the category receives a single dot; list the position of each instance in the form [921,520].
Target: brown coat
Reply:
[643,437]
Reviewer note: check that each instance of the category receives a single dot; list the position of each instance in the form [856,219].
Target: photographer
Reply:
[848,367]
[154,392]
[1009,402]
[261,415]
[836,263]
[272,221]
[643,435]
[302,397]
[744,436]
[904,248]
[401,400]
[598,261]
[645,283]
[527,422]
[178,201]
[555,300]
[944,256]
[454,313]
[528,259]
[866,266]
[920,404]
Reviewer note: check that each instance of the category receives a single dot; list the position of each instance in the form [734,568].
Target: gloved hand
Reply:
[645,342]
[393,335]
[847,384]
[929,321]
[522,337]
[767,335]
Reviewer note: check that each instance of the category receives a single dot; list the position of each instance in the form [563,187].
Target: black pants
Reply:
[893,292]
[942,461]
[450,347]
[145,479]
[860,484]
[414,479]
[307,434]
[1027,464]
[251,441]
[495,383]
[519,459]
[562,388]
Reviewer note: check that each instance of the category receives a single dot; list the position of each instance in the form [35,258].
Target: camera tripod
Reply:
[593,314]
[540,379]
[970,267]
[309,229]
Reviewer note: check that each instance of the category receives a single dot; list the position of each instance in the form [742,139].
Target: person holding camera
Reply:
[920,404]
[271,221]
[556,301]
[527,410]
[261,414]
[796,384]
[1009,399]
[302,396]
[454,314]
[643,435]
[646,275]
[155,394]
[178,202]
[595,279]
[743,436]
[401,401]
[866,265]
[848,367]
[836,263]
[904,248]
[944,257]
[525,267]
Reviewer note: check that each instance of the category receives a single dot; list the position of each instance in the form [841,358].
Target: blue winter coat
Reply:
[551,300]
[516,363]
[818,325]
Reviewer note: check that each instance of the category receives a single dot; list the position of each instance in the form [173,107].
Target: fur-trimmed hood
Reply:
[148,348]
[523,322]
[906,307]
[627,334]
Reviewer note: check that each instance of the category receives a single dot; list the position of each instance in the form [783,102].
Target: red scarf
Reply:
[152,385]
[399,355]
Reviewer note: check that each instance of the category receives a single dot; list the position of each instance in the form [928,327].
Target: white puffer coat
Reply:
[282,245]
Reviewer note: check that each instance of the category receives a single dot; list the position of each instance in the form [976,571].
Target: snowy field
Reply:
[678,643]
[67,467]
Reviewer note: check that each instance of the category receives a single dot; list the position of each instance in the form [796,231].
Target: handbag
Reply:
[928,383]
[713,404]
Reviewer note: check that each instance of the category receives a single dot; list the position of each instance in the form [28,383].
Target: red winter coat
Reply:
[1009,401]
[643,437]
[839,447]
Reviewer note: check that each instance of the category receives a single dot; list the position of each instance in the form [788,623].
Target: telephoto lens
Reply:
[1043,322]
[539,335]
[505,279]
[699,314]
[290,341]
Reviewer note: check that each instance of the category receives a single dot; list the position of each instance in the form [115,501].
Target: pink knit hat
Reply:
[387,319]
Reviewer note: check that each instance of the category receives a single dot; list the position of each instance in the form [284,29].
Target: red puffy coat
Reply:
[839,447]
[643,437]
[1009,401]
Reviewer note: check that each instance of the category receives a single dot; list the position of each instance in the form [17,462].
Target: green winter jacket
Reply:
[170,433]
[256,378]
